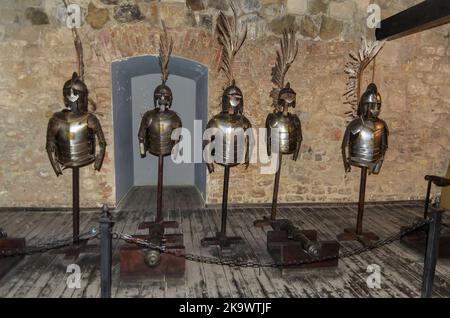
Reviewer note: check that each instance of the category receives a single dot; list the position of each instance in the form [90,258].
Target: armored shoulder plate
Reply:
[74,139]
[156,131]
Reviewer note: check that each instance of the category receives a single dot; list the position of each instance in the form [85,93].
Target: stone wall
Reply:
[37,57]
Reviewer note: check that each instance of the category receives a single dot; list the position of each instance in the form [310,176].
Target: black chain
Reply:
[30,250]
[254,264]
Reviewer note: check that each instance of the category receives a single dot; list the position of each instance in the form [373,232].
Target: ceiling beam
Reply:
[425,15]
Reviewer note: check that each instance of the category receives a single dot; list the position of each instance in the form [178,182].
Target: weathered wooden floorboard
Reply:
[44,275]
[367,258]
[26,271]
[195,282]
[65,291]
[235,276]
[259,283]
[217,282]
[351,279]
[259,235]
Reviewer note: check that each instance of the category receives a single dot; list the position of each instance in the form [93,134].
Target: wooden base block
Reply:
[365,238]
[133,266]
[7,263]
[165,225]
[417,241]
[221,240]
[284,250]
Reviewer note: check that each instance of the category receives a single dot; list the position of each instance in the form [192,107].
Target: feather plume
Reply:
[231,41]
[285,57]
[165,49]
[354,69]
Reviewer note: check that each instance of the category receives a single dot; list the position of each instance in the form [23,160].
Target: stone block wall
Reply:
[413,75]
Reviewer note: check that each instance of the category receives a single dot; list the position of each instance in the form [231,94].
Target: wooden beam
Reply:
[425,15]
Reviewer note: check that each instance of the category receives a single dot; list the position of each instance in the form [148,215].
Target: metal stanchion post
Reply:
[432,251]
[106,225]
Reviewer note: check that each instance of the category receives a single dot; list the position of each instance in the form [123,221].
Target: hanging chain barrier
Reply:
[254,264]
[93,233]
[42,248]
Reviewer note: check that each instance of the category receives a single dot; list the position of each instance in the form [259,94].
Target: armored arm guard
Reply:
[52,130]
[145,122]
[268,137]
[209,165]
[384,139]
[94,124]
[345,143]
[299,139]
[384,145]
[248,149]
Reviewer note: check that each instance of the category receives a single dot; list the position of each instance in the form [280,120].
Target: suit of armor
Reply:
[288,125]
[157,125]
[366,137]
[72,132]
[230,123]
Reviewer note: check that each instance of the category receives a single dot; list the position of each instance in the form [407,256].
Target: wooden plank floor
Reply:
[44,275]
[174,197]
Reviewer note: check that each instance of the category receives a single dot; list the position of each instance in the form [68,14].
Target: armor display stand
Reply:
[221,237]
[287,243]
[357,234]
[273,214]
[138,263]
[230,119]
[154,137]
[159,220]
[366,135]
[9,244]
[71,138]
[79,246]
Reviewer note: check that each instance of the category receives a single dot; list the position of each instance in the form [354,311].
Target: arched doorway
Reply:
[133,82]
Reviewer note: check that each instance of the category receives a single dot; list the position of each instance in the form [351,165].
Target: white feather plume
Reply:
[354,69]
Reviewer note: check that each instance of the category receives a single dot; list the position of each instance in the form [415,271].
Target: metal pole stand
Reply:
[79,246]
[273,215]
[106,225]
[221,237]
[8,244]
[137,263]
[432,252]
[352,234]
[159,219]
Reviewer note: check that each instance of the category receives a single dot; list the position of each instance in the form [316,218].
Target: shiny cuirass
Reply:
[74,140]
[230,153]
[289,130]
[156,131]
[368,142]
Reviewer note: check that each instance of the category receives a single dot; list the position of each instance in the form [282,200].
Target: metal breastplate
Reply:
[158,138]
[287,131]
[365,142]
[231,150]
[75,142]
